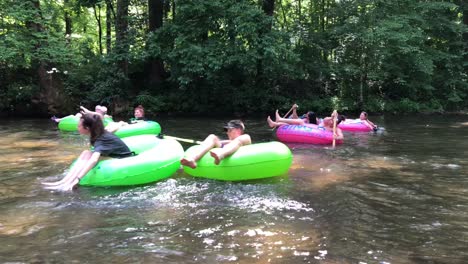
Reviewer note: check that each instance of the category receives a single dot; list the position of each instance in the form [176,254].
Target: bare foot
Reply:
[277,116]
[188,162]
[270,122]
[218,157]
[55,119]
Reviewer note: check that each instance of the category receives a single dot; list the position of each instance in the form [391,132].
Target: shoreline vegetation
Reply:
[155,117]
[233,57]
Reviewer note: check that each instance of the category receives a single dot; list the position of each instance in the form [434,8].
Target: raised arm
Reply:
[294,113]
[84,110]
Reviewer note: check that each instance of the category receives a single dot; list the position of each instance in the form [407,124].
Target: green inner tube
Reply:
[156,159]
[70,123]
[140,128]
[256,161]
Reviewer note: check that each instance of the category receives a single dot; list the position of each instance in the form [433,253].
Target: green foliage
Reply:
[110,83]
[405,105]
[15,94]
[374,104]
[230,57]
[215,49]
[318,105]
[153,104]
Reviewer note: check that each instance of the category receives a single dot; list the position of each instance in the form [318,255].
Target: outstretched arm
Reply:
[114,126]
[79,171]
[370,123]
[84,170]
[84,110]
[334,114]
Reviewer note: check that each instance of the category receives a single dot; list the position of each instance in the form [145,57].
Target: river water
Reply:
[399,196]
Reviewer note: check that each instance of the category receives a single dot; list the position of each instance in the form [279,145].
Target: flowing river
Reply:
[399,196]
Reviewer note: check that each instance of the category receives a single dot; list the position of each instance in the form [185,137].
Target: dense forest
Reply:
[233,56]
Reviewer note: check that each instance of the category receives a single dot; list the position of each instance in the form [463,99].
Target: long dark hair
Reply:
[94,124]
[312,118]
[340,119]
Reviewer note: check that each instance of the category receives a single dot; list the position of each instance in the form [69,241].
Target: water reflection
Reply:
[394,197]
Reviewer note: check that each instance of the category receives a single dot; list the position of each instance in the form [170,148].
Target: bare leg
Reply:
[277,116]
[272,123]
[210,142]
[282,121]
[217,156]
[220,153]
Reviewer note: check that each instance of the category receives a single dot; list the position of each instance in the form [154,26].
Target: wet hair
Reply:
[364,113]
[141,109]
[94,124]
[312,117]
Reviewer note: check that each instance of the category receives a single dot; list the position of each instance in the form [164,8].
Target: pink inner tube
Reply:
[354,126]
[311,134]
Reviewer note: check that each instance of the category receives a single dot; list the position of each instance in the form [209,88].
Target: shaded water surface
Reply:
[400,196]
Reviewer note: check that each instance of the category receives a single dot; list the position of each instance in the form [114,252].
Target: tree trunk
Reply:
[50,98]
[155,17]
[284,24]
[299,7]
[108,26]
[68,22]
[464,8]
[97,15]
[362,78]
[465,21]
[155,14]
[268,7]
[121,35]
